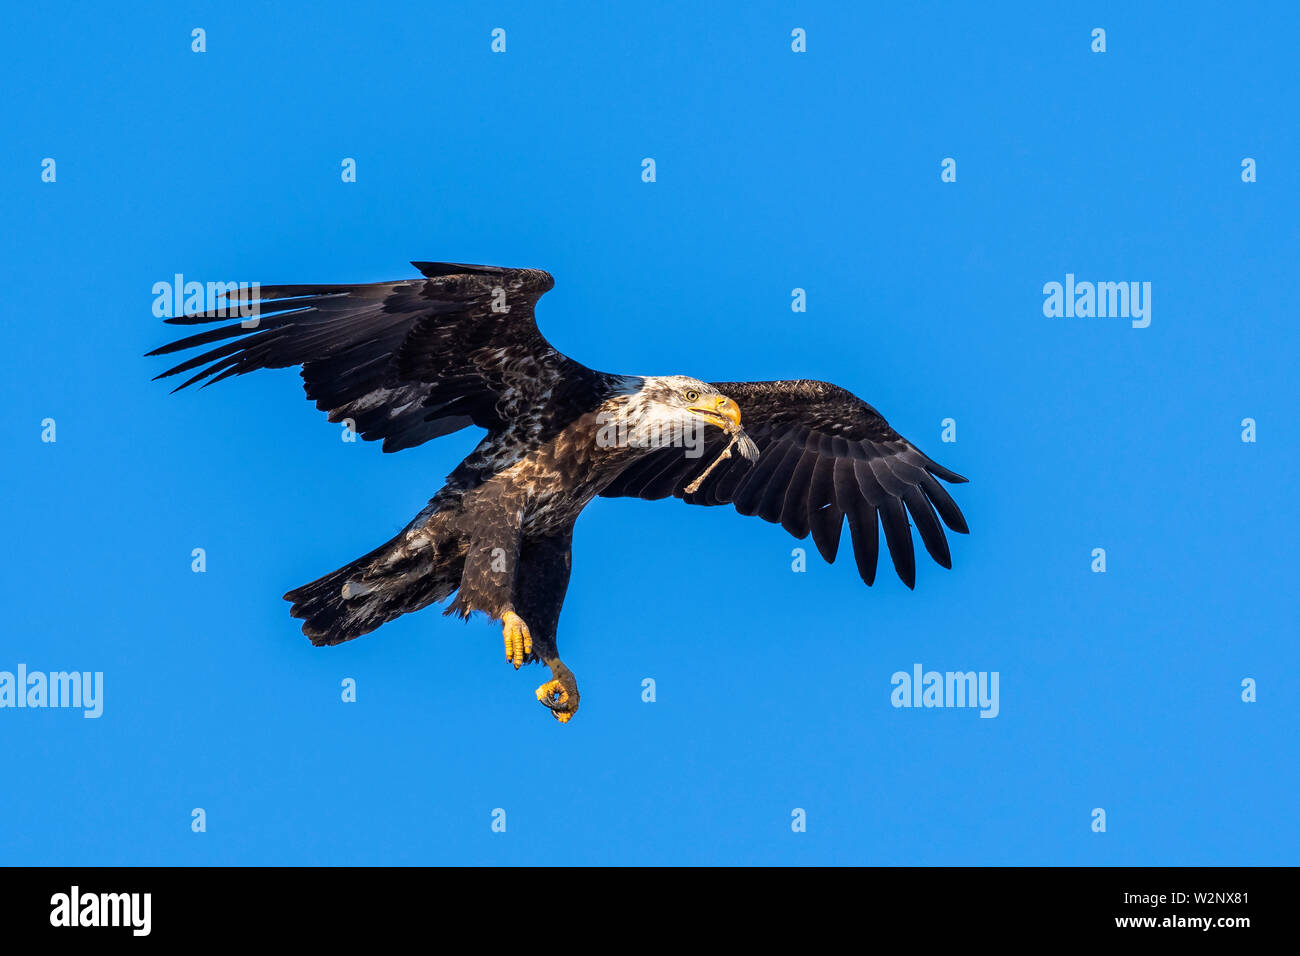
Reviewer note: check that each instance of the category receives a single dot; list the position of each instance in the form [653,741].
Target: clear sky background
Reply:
[775,170]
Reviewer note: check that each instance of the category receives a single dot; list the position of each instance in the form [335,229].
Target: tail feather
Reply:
[388,582]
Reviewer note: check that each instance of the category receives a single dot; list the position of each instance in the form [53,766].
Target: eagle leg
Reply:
[544,562]
[561,693]
[519,640]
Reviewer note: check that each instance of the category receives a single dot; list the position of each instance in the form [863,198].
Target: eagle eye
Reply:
[692,395]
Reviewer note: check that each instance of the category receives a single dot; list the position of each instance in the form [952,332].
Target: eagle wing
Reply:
[405,361]
[825,456]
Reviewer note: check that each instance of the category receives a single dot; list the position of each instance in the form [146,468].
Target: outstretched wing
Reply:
[825,456]
[406,361]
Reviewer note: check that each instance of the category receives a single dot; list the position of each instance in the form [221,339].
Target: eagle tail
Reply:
[390,581]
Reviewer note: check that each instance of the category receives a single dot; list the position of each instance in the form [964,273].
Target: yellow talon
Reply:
[519,641]
[554,695]
[554,692]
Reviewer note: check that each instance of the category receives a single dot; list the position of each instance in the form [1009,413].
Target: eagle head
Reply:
[666,407]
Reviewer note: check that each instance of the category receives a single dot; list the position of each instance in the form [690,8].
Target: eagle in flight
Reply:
[414,359]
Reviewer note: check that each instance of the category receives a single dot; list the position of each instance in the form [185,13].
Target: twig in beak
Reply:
[747,449]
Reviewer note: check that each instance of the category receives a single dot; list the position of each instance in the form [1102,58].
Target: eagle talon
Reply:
[519,640]
[560,695]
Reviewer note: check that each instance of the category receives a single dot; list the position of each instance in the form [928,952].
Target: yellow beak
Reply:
[719,410]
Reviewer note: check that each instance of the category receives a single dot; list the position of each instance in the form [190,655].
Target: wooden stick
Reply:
[694,486]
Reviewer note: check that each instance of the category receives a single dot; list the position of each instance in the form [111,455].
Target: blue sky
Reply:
[775,170]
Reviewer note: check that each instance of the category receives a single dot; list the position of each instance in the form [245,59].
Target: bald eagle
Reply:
[406,361]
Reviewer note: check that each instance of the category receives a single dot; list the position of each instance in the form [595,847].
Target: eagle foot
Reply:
[519,641]
[561,694]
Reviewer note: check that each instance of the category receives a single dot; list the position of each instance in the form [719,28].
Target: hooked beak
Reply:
[718,410]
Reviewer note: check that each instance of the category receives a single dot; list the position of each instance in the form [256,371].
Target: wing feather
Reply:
[795,512]
[405,361]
